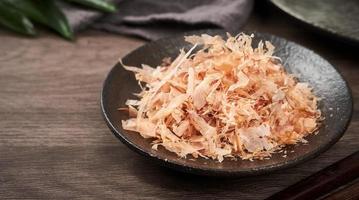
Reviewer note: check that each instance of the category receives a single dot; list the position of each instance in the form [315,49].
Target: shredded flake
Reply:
[229,99]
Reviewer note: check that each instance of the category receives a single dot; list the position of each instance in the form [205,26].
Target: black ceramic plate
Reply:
[338,17]
[336,106]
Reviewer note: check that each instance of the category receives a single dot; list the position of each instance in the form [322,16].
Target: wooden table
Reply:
[54,143]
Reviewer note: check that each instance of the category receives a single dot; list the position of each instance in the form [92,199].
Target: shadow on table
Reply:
[172,180]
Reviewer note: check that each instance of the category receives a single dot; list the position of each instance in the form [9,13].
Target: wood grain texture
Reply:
[54,143]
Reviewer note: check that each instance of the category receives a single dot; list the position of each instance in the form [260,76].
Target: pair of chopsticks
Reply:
[324,181]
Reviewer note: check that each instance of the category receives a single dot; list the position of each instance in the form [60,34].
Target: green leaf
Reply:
[45,12]
[15,21]
[97,4]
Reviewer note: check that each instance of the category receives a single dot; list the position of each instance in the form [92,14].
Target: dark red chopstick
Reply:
[324,181]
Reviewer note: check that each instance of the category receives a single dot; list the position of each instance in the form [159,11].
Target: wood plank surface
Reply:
[54,143]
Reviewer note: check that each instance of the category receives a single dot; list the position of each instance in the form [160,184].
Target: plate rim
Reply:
[351,40]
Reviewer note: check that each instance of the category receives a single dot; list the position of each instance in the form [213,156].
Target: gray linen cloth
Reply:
[153,19]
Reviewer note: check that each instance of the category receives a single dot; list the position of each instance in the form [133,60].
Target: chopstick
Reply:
[347,192]
[324,181]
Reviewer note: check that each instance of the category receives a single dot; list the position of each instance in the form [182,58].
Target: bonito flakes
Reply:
[226,100]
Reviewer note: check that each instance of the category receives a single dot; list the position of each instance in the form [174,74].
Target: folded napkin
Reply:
[153,19]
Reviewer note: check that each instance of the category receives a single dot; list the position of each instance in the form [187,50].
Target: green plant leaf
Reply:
[97,4]
[45,12]
[12,19]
